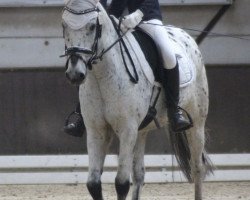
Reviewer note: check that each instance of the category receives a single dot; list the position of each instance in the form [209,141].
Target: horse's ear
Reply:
[97,1]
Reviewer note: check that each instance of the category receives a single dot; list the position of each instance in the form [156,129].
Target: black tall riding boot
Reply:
[77,127]
[171,85]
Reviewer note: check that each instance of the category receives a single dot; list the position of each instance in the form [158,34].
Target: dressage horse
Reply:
[115,99]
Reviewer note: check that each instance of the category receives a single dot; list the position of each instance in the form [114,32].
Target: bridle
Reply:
[77,51]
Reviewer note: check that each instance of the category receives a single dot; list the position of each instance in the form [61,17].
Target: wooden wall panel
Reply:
[34,104]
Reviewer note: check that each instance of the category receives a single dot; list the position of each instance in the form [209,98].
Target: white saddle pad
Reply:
[186,71]
[186,66]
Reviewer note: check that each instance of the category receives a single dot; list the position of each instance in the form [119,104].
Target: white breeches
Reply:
[159,34]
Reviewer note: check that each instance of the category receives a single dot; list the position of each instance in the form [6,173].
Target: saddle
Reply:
[153,56]
[150,51]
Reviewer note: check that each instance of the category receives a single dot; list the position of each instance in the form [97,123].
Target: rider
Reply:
[147,15]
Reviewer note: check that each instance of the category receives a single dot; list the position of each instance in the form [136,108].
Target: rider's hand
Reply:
[133,19]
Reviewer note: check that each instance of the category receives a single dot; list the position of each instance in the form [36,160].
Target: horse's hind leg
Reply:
[196,141]
[138,166]
[127,136]
[98,141]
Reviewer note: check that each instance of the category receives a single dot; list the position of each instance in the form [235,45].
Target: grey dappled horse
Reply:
[112,104]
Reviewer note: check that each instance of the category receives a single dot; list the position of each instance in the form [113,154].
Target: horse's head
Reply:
[80,28]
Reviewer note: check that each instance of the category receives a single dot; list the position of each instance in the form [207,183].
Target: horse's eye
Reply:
[92,27]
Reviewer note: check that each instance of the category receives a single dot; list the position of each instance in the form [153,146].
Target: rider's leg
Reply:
[171,85]
[171,75]
[76,127]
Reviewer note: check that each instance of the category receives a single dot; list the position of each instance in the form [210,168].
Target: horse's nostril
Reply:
[81,75]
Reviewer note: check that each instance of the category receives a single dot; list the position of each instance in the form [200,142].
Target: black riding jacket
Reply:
[104,3]
[149,8]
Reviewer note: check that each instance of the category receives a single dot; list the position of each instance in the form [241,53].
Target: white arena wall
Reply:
[72,169]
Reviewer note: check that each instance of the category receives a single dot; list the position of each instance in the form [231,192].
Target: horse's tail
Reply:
[209,167]
[183,155]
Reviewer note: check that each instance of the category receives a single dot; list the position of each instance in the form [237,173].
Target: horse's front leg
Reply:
[127,136]
[98,141]
[138,166]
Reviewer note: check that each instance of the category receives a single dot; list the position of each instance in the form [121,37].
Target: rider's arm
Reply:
[104,3]
[150,9]
[117,7]
[145,5]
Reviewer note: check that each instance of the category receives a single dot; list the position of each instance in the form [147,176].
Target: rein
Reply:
[122,44]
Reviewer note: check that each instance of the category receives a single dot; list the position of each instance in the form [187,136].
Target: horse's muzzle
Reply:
[76,79]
